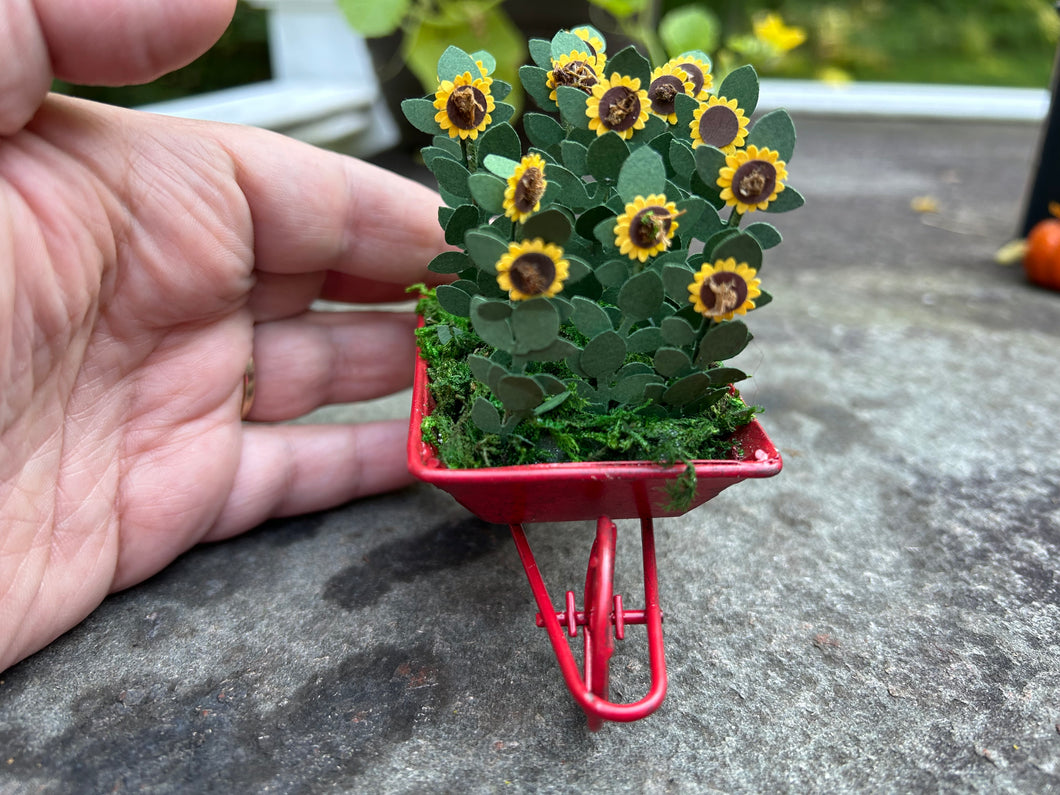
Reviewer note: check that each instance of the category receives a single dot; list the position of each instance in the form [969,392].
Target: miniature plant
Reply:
[602,276]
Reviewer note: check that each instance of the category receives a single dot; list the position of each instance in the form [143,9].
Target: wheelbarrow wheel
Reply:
[599,599]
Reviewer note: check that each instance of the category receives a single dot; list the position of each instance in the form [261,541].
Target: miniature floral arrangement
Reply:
[598,289]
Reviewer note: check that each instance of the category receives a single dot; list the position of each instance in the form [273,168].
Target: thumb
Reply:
[106,42]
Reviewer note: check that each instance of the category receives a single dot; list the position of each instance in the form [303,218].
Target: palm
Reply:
[143,252]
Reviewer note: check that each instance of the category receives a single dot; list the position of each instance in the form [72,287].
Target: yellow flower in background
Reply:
[770,28]
[752,178]
[522,196]
[464,106]
[719,122]
[532,269]
[577,70]
[646,227]
[724,289]
[617,104]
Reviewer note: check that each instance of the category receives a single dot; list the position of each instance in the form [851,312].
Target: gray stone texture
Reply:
[883,616]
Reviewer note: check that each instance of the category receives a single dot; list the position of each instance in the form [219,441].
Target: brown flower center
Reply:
[529,190]
[619,108]
[532,273]
[754,181]
[695,74]
[466,107]
[723,292]
[577,74]
[662,92]
[719,126]
[651,227]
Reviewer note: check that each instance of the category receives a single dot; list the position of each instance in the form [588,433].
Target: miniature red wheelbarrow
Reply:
[603,491]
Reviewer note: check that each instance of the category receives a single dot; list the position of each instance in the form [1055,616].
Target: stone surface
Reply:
[882,616]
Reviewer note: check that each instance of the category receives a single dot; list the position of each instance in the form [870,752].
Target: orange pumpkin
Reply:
[1041,260]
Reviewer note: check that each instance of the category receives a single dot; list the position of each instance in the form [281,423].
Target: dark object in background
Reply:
[1046,175]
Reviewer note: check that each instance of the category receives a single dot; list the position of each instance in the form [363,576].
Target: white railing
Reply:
[324,89]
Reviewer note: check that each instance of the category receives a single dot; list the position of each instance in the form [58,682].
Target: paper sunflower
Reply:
[666,83]
[532,269]
[719,122]
[617,104]
[752,178]
[724,289]
[697,71]
[591,37]
[577,70]
[464,105]
[522,196]
[646,227]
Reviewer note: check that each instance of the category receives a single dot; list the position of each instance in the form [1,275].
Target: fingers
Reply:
[330,357]
[286,470]
[111,42]
[316,211]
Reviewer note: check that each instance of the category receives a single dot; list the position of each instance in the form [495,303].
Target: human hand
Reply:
[144,260]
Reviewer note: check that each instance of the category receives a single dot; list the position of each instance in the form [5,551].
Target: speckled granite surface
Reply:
[883,616]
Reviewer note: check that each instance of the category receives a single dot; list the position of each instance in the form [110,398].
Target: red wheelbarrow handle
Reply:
[590,689]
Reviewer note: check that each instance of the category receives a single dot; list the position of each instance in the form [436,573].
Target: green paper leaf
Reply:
[454,62]
[519,393]
[629,63]
[709,161]
[716,240]
[553,402]
[488,286]
[551,384]
[723,341]
[653,128]
[766,234]
[613,272]
[559,350]
[485,416]
[371,18]
[500,89]
[501,140]
[489,63]
[589,318]
[671,362]
[464,218]
[502,112]
[742,247]
[678,332]
[574,156]
[722,376]
[485,248]
[450,145]
[551,225]
[420,113]
[787,200]
[676,279]
[685,107]
[687,389]
[605,156]
[682,159]
[774,131]
[503,167]
[451,176]
[480,367]
[488,191]
[535,83]
[453,300]
[742,85]
[604,232]
[763,299]
[642,174]
[490,321]
[430,153]
[540,52]
[572,104]
[565,42]
[564,188]
[630,390]
[645,340]
[543,131]
[711,192]
[641,296]
[603,355]
[587,221]
[449,262]
[535,325]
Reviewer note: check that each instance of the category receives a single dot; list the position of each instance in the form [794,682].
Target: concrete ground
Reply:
[882,616]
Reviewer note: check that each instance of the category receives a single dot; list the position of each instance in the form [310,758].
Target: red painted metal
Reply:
[602,491]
